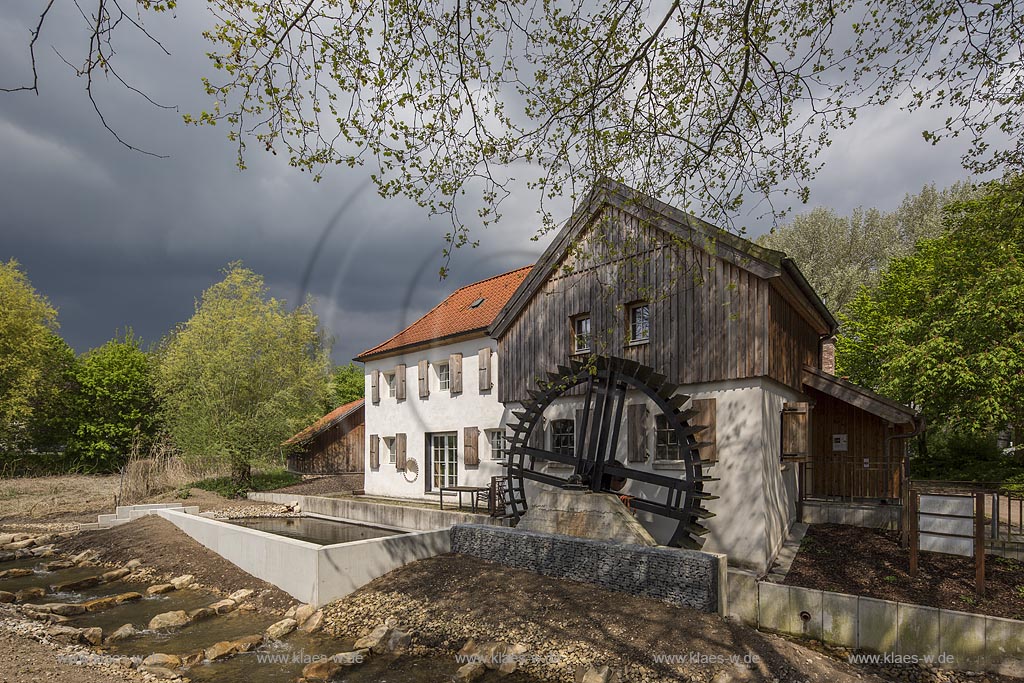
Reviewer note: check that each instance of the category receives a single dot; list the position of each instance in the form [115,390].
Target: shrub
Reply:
[262,481]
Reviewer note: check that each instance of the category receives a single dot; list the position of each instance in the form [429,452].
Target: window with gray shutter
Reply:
[375,386]
[400,382]
[471,446]
[424,379]
[374,452]
[400,453]
[455,368]
[485,369]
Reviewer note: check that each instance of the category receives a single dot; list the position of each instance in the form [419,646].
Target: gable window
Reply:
[563,436]
[444,460]
[639,323]
[581,333]
[389,443]
[444,376]
[667,442]
[499,444]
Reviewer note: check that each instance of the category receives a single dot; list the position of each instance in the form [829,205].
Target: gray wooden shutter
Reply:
[796,430]
[400,452]
[485,369]
[375,386]
[400,382]
[707,415]
[636,435]
[455,373]
[471,446]
[421,369]
[374,452]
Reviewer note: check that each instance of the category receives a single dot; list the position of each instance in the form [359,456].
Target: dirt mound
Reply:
[447,600]
[171,552]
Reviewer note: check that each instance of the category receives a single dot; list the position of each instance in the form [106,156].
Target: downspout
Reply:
[919,427]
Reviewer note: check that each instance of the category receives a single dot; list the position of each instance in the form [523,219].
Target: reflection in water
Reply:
[319,531]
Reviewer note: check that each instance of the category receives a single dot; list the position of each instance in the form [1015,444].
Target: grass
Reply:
[261,481]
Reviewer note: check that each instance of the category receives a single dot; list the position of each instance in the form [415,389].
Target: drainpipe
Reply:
[919,427]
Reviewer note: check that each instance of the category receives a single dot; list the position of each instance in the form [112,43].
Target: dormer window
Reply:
[639,323]
[581,334]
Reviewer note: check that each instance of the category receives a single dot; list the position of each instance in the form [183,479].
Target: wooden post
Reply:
[979,541]
[914,500]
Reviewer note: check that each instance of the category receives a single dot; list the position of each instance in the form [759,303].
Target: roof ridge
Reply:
[486,279]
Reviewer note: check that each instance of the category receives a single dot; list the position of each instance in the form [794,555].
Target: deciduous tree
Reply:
[242,375]
[944,328]
[841,254]
[27,326]
[113,405]
[347,384]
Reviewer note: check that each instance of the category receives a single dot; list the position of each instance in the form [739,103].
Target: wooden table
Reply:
[472,490]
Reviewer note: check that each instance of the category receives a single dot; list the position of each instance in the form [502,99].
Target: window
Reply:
[389,380]
[389,442]
[444,460]
[667,443]
[444,376]
[563,436]
[499,444]
[581,334]
[639,323]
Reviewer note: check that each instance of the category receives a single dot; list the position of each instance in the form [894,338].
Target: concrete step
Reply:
[124,511]
[117,521]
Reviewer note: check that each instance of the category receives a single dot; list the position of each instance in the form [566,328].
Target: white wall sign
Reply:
[839,443]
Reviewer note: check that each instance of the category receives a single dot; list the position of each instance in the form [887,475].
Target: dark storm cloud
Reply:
[116,238]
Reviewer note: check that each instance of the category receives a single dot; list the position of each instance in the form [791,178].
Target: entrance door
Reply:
[444,460]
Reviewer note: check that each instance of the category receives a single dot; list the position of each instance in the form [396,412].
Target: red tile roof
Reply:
[456,314]
[336,415]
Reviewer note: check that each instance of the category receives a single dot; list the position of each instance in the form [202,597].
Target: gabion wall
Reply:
[680,577]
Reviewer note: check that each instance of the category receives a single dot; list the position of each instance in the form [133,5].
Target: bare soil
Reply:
[169,552]
[448,599]
[870,562]
[25,660]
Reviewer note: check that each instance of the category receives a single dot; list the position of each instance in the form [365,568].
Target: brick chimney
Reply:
[828,355]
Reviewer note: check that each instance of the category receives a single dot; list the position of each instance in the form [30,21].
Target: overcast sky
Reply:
[115,238]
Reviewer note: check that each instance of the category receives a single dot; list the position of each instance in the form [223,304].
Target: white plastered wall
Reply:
[440,412]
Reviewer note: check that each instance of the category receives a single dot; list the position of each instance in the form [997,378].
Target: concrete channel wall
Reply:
[308,572]
[381,514]
[953,640]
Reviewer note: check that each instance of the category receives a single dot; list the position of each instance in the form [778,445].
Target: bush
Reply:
[262,481]
[964,456]
[1014,485]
